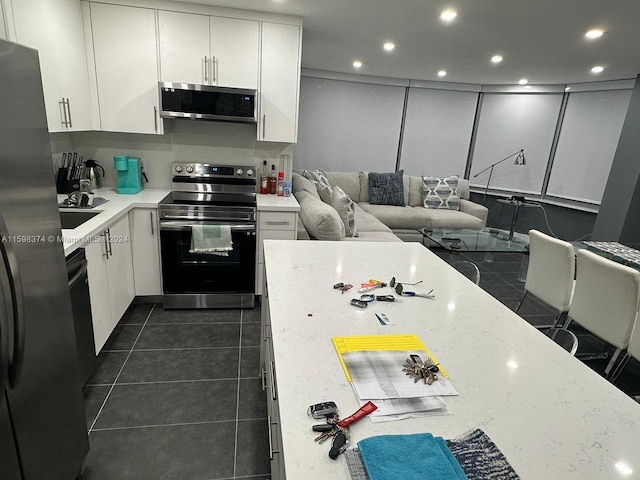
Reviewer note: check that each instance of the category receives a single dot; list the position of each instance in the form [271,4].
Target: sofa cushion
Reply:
[376,237]
[414,197]
[320,220]
[364,188]
[319,178]
[346,209]
[367,222]
[349,182]
[441,192]
[386,188]
[399,217]
[463,189]
[300,183]
[443,218]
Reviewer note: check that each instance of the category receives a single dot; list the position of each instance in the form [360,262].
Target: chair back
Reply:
[606,298]
[551,270]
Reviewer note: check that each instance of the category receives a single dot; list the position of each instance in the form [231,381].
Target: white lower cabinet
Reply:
[145,247]
[110,272]
[273,225]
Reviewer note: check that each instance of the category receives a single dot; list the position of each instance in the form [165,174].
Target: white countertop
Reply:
[117,206]
[551,416]
[274,202]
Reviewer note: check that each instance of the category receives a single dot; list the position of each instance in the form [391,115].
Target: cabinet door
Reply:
[279,83]
[3,29]
[146,253]
[120,268]
[184,47]
[126,68]
[54,28]
[103,323]
[234,51]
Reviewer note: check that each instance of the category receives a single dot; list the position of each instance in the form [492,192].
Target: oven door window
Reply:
[185,272]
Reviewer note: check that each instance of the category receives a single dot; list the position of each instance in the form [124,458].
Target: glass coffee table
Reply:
[490,240]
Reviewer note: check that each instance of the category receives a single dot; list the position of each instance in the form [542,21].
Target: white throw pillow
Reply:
[438,192]
[319,178]
[346,209]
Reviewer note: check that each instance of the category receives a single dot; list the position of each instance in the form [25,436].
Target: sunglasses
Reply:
[397,286]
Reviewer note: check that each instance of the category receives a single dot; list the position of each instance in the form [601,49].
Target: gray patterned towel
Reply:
[478,456]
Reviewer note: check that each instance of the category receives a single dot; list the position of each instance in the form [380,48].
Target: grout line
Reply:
[104,402]
[235,443]
[160,425]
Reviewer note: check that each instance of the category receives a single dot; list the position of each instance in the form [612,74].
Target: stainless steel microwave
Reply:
[206,102]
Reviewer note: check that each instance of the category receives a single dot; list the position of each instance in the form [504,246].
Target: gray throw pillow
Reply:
[386,188]
[319,178]
[441,192]
[346,209]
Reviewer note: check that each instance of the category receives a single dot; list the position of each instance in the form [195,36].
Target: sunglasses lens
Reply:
[399,289]
[392,283]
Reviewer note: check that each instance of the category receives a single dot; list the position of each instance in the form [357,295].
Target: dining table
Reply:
[550,415]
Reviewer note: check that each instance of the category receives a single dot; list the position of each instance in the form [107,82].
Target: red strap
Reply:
[363,411]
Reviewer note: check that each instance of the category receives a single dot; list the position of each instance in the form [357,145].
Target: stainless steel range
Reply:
[207,194]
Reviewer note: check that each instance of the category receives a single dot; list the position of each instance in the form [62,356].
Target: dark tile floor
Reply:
[177,394]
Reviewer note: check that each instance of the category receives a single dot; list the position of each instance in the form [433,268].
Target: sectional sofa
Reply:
[320,220]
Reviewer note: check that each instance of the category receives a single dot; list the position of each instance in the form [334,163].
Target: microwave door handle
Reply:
[10,265]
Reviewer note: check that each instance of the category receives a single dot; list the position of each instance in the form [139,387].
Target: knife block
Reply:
[64,184]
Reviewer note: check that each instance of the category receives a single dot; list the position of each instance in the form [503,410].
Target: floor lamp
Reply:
[520,160]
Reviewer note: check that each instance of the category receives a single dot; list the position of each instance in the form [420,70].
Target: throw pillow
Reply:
[319,178]
[321,221]
[386,188]
[346,209]
[441,192]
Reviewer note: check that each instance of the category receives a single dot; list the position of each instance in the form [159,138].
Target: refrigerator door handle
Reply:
[17,299]
[78,274]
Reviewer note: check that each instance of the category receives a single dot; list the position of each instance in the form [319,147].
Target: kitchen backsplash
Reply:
[184,140]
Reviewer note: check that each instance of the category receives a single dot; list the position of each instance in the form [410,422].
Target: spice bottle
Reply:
[280,184]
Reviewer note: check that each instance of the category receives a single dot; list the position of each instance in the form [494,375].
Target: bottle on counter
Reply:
[280,184]
[287,188]
[273,180]
[264,178]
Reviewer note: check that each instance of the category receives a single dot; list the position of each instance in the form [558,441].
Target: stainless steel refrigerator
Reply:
[43,432]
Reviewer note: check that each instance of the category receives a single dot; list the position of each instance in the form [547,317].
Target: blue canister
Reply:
[287,188]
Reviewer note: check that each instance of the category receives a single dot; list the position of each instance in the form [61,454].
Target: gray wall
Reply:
[619,215]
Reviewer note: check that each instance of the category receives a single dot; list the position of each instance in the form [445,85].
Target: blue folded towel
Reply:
[409,457]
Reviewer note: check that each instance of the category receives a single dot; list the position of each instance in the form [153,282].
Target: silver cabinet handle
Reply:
[152,229]
[213,69]
[270,441]
[278,222]
[264,128]
[206,70]
[109,241]
[274,394]
[69,110]
[155,118]
[106,246]
[263,372]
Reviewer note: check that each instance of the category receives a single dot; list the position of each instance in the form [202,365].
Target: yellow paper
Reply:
[381,342]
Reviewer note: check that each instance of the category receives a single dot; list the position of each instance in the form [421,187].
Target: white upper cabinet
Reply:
[54,28]
[279,83]
[126,67]
[208,50]
[3,29]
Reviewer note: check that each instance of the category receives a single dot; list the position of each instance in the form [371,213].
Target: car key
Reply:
[322,410]
[340,443]
[358,303]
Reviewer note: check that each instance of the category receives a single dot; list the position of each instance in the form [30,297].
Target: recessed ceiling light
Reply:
[496,58]
[593,34]
[597,69]
[442,73]
[566,89]
[389,46]
[357,64]
[523,81]
[448,15]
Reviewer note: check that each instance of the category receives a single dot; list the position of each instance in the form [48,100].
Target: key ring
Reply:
[367,297]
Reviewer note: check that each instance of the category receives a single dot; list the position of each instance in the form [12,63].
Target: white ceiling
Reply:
[541,40]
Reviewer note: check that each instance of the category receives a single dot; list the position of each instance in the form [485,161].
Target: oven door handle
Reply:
[186,226]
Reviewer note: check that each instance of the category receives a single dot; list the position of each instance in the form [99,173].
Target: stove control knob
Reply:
[178,168]
[249,173]
[189,169]
[239,171]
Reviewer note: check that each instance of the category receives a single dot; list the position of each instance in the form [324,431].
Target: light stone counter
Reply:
[274,202]
[551,416]
[111,211]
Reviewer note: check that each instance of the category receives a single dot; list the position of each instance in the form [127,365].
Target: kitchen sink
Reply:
[72,220]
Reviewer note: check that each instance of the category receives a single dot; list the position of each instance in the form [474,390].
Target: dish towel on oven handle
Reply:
[211,239]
